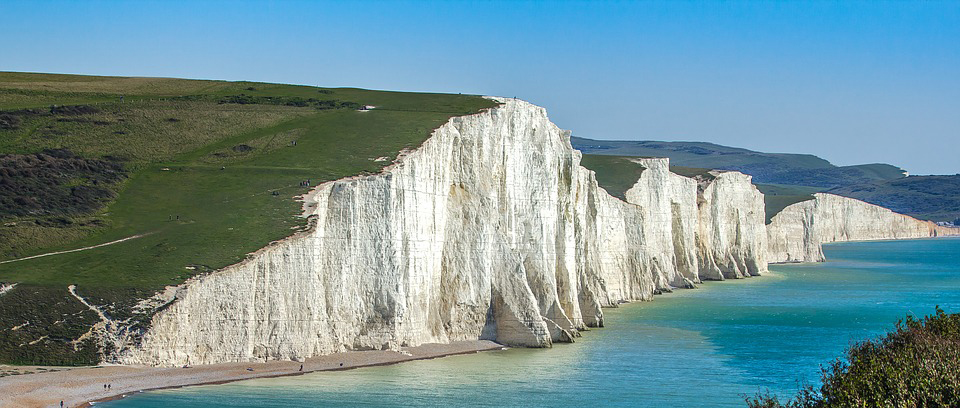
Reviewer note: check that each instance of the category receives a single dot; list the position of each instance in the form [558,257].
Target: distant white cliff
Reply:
[797,233]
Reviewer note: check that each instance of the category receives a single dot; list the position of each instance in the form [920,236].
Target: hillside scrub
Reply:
[55,182]
[915,365]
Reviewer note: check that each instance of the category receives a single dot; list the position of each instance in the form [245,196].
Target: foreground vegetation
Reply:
[204,172]
[915,365]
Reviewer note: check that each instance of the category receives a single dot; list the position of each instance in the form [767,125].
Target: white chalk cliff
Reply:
[732,238]
[667,204]
[709,228]
[490,230]
[796,234]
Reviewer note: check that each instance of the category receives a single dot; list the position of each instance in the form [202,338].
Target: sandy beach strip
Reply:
[82,387]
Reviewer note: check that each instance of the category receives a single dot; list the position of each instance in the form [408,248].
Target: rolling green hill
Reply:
[199,173]
[766,168]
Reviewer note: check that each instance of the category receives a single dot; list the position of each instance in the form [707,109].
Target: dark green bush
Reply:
[9,122]
[56,182]
[322,104]
[915,365]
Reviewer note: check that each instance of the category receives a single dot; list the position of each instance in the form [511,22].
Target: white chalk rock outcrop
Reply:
[6,287]
[797,233]
[708,228]
[668,207]
[489,230]
[732,237]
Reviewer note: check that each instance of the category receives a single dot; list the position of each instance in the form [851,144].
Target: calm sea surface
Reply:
[705,347]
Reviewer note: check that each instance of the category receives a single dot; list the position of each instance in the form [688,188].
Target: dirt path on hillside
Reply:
[78,249]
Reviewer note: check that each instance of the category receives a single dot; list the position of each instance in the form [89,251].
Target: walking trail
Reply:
[78,249]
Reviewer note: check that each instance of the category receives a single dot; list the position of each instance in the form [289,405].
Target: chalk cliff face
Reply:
[489,230]
[731,239]
[709,228]
[667,204]
[797,233]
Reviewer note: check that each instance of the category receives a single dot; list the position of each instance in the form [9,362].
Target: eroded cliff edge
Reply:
[797,233]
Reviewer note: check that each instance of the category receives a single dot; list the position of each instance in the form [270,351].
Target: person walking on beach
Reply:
[301,367]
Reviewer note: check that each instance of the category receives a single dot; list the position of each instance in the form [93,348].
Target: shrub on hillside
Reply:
[915,365]
[322,104]
[9,122]
[56,182]
[73,110]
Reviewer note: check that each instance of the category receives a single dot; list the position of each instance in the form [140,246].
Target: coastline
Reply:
[953,235]
[83,387]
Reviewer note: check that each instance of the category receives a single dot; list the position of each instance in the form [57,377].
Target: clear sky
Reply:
[853,82]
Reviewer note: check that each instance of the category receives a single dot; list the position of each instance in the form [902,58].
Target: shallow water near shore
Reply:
[705,347]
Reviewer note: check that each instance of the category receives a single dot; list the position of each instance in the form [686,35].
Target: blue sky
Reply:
[853,82]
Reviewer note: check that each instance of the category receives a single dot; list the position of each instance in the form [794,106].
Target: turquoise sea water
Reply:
[705,347]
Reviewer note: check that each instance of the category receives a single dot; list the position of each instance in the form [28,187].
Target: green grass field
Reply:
[616,174]
[776,197]
[207,182]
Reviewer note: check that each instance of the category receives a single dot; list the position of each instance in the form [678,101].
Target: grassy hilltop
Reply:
[203,172]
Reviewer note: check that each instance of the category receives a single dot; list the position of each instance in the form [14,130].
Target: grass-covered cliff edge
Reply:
[200,173]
